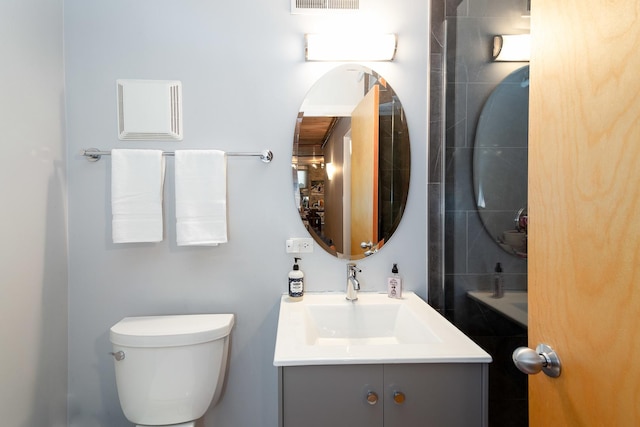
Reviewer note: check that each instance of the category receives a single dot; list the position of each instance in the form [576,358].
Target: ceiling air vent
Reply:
[149,110]
[320,6]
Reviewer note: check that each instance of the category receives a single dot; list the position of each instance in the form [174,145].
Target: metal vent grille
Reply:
[315,6]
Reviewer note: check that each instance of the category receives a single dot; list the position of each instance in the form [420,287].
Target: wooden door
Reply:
[365,125]
[584,209]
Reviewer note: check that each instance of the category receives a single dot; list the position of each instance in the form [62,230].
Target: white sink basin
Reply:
[325,328]
[365,324]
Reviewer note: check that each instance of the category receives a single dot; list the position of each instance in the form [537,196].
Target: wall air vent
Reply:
[300,7]
[149,110]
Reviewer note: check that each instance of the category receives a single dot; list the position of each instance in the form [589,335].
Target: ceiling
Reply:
[313,132]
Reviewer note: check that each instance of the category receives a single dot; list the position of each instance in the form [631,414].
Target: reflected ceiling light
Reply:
[512,47]
[352,47]
[331,170]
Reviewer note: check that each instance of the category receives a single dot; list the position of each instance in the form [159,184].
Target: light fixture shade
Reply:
[512,47]
[352,47]
[331,170]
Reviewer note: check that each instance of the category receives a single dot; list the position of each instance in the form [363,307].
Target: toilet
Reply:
[170,369]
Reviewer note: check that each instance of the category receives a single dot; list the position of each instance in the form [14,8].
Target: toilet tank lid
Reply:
[171,331]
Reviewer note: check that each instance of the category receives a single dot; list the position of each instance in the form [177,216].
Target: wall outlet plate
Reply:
[299,245]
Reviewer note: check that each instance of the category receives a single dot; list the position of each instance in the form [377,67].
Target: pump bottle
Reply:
[394,283]
[296,281]
[498,282]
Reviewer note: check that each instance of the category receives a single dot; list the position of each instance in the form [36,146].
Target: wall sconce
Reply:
[512,47]
[351,47]
[331,171]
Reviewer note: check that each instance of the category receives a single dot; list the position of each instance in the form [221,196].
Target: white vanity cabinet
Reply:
[376,362]
[389,395]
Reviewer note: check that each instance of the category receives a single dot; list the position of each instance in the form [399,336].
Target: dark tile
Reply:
[484,252]
[437,26]
[469,45]
[455,243]
[435,247]
[507,10]
[458,180]
[456,115]
[508,413]
[456,8]
[477,95]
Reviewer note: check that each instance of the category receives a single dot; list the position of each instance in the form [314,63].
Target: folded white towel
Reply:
[137,179]
[201,197]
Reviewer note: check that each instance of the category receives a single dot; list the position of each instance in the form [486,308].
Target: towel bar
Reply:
[94,154]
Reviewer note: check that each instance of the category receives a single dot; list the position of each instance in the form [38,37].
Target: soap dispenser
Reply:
[498,282]
[296,281]
[394,283]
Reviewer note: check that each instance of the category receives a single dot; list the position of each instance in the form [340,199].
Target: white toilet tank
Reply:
[171,368]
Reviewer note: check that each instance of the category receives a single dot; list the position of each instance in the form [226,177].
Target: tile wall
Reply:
[461,253]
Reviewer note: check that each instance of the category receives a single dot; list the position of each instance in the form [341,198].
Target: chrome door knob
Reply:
[543,358]
[366,245]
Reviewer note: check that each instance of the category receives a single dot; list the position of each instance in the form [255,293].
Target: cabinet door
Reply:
[331,396]
[439,395]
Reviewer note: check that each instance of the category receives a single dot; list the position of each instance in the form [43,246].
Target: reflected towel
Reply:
[137,179]
[201,197]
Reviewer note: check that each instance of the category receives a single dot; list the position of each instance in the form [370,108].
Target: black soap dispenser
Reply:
[296,281]
[498,282]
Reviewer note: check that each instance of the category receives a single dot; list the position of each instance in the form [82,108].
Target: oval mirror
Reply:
[500,163]
[351,162]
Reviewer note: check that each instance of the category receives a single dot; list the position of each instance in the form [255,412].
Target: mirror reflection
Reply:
[500,163]
[351,162]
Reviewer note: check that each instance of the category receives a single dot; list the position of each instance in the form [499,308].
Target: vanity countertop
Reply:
[326,329]
[512,305]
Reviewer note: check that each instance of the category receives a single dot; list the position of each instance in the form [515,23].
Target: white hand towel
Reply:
[137,179]
[201,197]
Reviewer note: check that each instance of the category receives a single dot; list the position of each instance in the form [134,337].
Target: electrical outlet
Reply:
[299,245]
[306,245]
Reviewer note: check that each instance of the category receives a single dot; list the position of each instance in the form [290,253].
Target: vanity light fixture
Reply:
[331,170]
[351,47]
[512,48]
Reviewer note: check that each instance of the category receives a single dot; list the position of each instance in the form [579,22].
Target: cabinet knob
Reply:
[372,398]
[399,397]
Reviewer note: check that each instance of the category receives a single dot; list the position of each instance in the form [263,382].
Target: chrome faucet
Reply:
[353,286]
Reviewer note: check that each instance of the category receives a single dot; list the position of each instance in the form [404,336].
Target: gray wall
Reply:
[244,77]
[33,258]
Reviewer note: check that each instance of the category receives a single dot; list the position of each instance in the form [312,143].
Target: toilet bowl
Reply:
[170,369]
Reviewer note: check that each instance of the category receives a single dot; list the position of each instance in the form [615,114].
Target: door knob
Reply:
[543,358]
